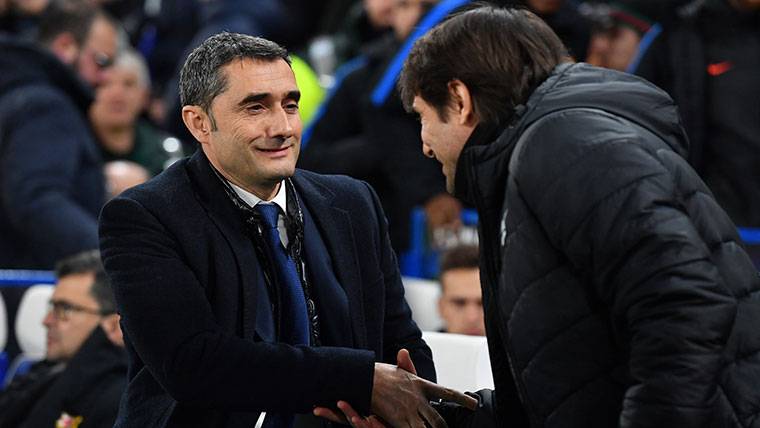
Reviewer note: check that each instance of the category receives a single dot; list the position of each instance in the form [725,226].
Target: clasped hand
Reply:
[399,399]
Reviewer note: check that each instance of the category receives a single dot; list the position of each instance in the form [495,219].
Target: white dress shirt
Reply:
[280,199]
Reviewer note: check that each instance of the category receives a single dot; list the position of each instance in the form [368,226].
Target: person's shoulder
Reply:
[35,98]
[335,182]
[347,191]
[163,188]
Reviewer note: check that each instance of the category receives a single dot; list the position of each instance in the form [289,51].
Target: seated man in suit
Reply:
[85,367]
[246,285]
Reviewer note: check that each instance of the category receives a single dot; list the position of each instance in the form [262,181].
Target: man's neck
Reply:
[119,140]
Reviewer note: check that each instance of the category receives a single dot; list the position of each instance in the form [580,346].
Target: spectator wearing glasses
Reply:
[51,178]
[84,370]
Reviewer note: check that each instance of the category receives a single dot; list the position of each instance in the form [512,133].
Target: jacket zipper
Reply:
[492,269]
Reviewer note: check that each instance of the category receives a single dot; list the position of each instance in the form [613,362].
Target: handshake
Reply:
[402,399]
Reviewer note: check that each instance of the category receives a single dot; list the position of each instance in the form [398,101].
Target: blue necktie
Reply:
[294,315]
[294,328]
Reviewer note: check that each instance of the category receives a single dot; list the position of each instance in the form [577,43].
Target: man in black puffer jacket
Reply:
[614,287]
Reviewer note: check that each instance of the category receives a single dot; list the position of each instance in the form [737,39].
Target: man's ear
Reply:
[65,47]
[112,329]
[461,103]
[197,122]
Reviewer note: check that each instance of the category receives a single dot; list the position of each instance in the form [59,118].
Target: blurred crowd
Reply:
[347,56]
[89,103]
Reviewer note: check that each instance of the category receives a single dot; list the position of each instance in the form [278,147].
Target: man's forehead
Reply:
[249,75]
[103,35]
[257,66]
[74,286]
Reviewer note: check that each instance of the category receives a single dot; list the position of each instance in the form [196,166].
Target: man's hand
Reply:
[349,416]
[399,398]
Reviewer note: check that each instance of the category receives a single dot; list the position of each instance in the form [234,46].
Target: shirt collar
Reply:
[280,199]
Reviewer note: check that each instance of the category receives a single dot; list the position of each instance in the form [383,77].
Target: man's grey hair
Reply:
[201,80]
[89,262]
[130,59]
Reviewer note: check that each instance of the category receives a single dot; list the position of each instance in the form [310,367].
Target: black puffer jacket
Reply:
[615,291]
[51,176]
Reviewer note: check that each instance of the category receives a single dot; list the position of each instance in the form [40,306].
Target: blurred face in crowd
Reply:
[461,302]
[120,98]
[379,12]
[613,48]
[121,175]
[30,7]
[97,52]
[443,138]
[257,134]
[406,13]
[73,315]
[544,7]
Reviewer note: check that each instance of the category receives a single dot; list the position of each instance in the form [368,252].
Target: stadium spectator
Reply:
[564,17]
[359,25]
[615,35]
[707,59]
[461,301]
[51,178]
[116,115]
[615,290]
[363,131]
[85,370]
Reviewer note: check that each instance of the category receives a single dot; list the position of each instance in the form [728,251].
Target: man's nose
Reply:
[49,319]
[281,125]
[474,312]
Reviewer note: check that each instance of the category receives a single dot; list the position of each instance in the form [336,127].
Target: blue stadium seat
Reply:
[421,259]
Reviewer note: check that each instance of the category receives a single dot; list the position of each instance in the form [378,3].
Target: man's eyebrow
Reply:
[293,95]
[254,98]
[258,97]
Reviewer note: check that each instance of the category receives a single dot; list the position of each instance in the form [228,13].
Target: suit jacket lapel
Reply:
[330,297]
[334,226]
[257,312]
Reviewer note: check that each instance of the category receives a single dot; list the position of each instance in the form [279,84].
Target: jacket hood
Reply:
[24,63]
[570,86]
[585,86]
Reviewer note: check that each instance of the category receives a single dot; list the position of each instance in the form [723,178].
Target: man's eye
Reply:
[459,303]
[63,306]
[291,106]
[255,107]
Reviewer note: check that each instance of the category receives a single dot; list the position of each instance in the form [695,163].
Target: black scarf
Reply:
[294,227]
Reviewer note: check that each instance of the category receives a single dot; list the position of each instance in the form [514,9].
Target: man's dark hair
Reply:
[68,16]
[460,257]
[89,262]
[201,80]
[500,54]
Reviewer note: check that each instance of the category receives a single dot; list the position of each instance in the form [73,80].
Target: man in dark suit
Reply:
[247,286]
